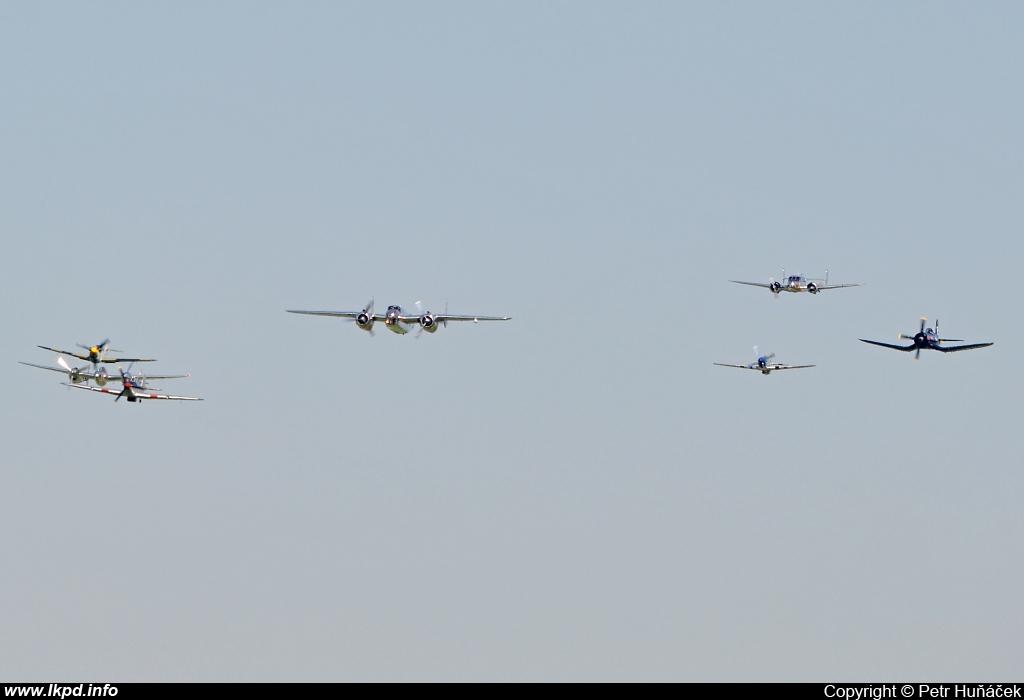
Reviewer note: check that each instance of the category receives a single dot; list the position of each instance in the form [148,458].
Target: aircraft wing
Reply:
[753,284]
[139,393]
[906,348]
[736,366]
[52,369]
[775,367]
[837,286]
[442,318]
[474,319]
[98,389]
[336,314]
[64,352]
[84,374]
[147,377]
[101,361]
[957,348]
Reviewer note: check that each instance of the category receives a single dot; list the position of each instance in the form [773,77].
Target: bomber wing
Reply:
[957,348]
[336,314]
[52,369]
[904,348]
[474,319]
[443,318]
[84,373]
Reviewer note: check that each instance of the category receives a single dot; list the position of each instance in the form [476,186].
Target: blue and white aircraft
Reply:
[928,339]
[763,365]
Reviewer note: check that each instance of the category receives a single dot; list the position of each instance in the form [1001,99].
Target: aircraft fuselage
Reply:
[393,320]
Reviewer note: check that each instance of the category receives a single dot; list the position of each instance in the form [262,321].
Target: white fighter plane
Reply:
[797,283]
[134,389]
[397,321]
[763,365]
[79,375]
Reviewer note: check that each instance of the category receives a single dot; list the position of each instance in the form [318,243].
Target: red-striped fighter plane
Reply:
[134,389]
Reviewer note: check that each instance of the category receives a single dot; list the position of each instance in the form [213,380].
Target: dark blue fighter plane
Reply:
[928,339]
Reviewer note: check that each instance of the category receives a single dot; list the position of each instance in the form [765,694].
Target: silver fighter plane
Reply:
[797,283]
[928,339]
[398,321]
[81,375]
[763,365]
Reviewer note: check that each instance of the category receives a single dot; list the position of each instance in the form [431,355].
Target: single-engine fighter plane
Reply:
[928,339]
[763,365]
[398,321]
[97,354]
[134,389]
[79,375]
[797,283]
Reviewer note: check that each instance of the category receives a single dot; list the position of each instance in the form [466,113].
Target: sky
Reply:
[577,494]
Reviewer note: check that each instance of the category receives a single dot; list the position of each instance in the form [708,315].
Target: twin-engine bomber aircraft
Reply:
[397,321]
[928,339]
[763,365]
[797,283]
[97,354]
[79,375]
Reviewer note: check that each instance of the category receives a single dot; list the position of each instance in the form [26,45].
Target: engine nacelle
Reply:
[428,323]
[364,321]
[776,287]
[812,288]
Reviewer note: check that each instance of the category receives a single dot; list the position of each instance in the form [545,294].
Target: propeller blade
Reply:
[419,307]
[923,320]
[63,363]
[120,395]
[372,334]
[917,355]
[369,307]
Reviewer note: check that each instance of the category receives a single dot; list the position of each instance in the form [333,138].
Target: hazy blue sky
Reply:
[577,494]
